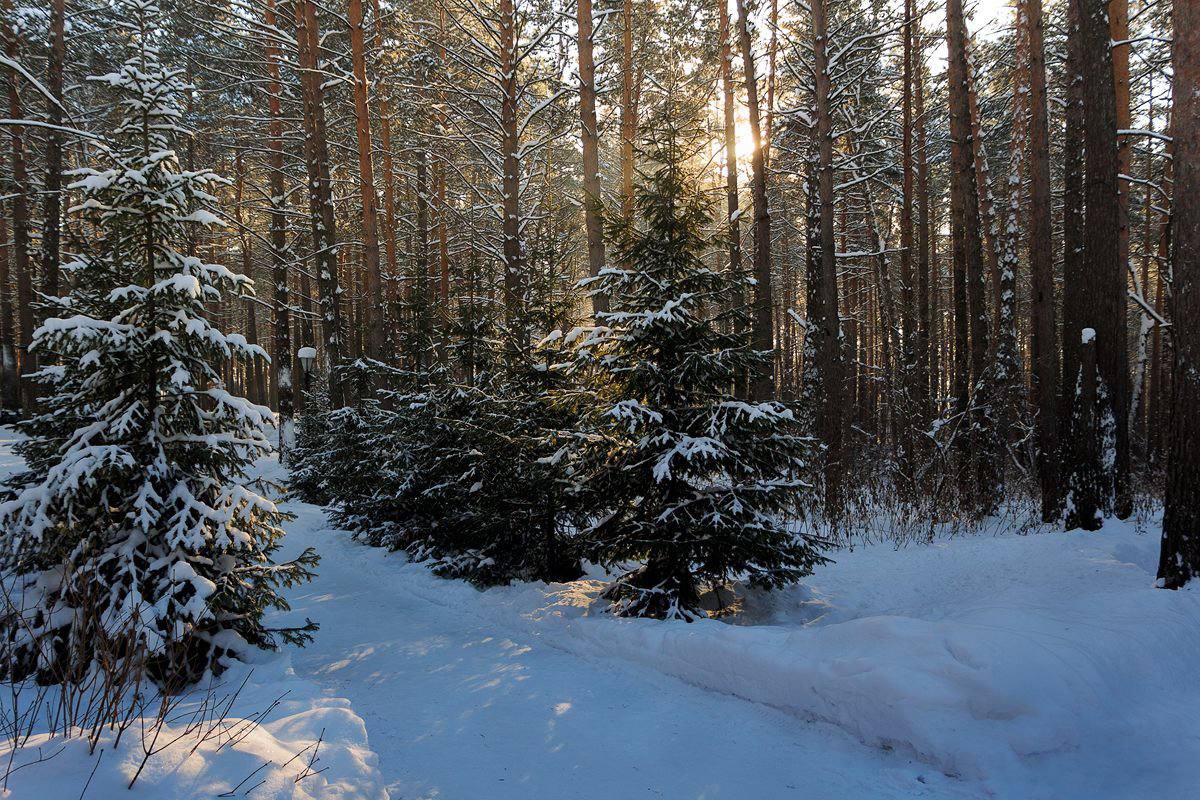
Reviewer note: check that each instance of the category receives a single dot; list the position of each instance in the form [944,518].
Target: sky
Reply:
[991,16]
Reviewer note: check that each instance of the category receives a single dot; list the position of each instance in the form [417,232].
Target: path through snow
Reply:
[458,708]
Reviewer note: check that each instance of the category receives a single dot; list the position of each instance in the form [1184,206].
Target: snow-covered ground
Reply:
[1042,666]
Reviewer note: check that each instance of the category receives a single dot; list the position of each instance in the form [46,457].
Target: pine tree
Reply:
[136,531]
[680,473]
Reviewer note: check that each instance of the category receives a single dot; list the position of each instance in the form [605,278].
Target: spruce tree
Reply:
[463,476]
[679,473]
[137,534]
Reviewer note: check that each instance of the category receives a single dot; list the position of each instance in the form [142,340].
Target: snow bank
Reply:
[1041,664]
[307,748]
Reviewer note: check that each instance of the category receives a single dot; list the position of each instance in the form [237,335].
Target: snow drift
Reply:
[307,747]
[1043,662]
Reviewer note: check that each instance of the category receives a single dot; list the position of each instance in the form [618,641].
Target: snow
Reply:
[312,747]
[1039,666]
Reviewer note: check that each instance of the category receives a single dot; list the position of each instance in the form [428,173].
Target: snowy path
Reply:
[459,709]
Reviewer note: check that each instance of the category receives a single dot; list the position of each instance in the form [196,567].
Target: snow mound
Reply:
[308,747]
[1041,664]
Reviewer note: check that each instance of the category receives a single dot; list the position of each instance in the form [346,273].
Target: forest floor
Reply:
[1039,666]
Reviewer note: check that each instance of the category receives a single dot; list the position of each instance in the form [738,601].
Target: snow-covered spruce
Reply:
[135,539]
[461,475]
[680,474]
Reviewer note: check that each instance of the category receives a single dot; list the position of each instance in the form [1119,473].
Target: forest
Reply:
[828,369]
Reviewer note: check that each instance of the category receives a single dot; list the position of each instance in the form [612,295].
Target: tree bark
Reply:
[373,306]
[906,436]
[515,279]
[324,232]
[762,382]
[592,201]
[20,223]
[925,317]
[52,191]
[1102,298]
[10,399]
[281,367]
[389,179]
[824,322]
[1044,332]
[977,482]
[731,179]
[1179,560]
[628,113]
[1118,31]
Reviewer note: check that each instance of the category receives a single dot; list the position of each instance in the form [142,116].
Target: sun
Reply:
[743,139]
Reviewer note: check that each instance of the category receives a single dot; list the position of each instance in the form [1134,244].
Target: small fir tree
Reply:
[679,473]
[136,533]
[465,478]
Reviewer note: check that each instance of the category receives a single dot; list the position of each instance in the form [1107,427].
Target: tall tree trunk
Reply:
[515,279]
[389,177]
[908,375]
[10,399]
[983,189]
[52,191]
[1118,31]
[373,307]
[925,317]
[324,231]
[1093,484]
[423,288]
[1180,556]
[592,202]
[731,178]
[1044,331]
[823,319]
[281,371]
[20,222]
[628,113]
[977,483]
[1074,274]
[762,382]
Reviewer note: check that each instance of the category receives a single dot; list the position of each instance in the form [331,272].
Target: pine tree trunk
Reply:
[10,399]
[423,279]
[1102,297]
[52,190]
[1118,31]
[281,372]
[592,201]
[389,180]
[515,279]
[628,113]
[20,241]
[977,483]
[908,376]
[324,231]
[731,176]
[1044,332]
[373,301]
[1180,556]
[762,383]
[824,318]
[983,189]
[1074,274]
[925,315]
